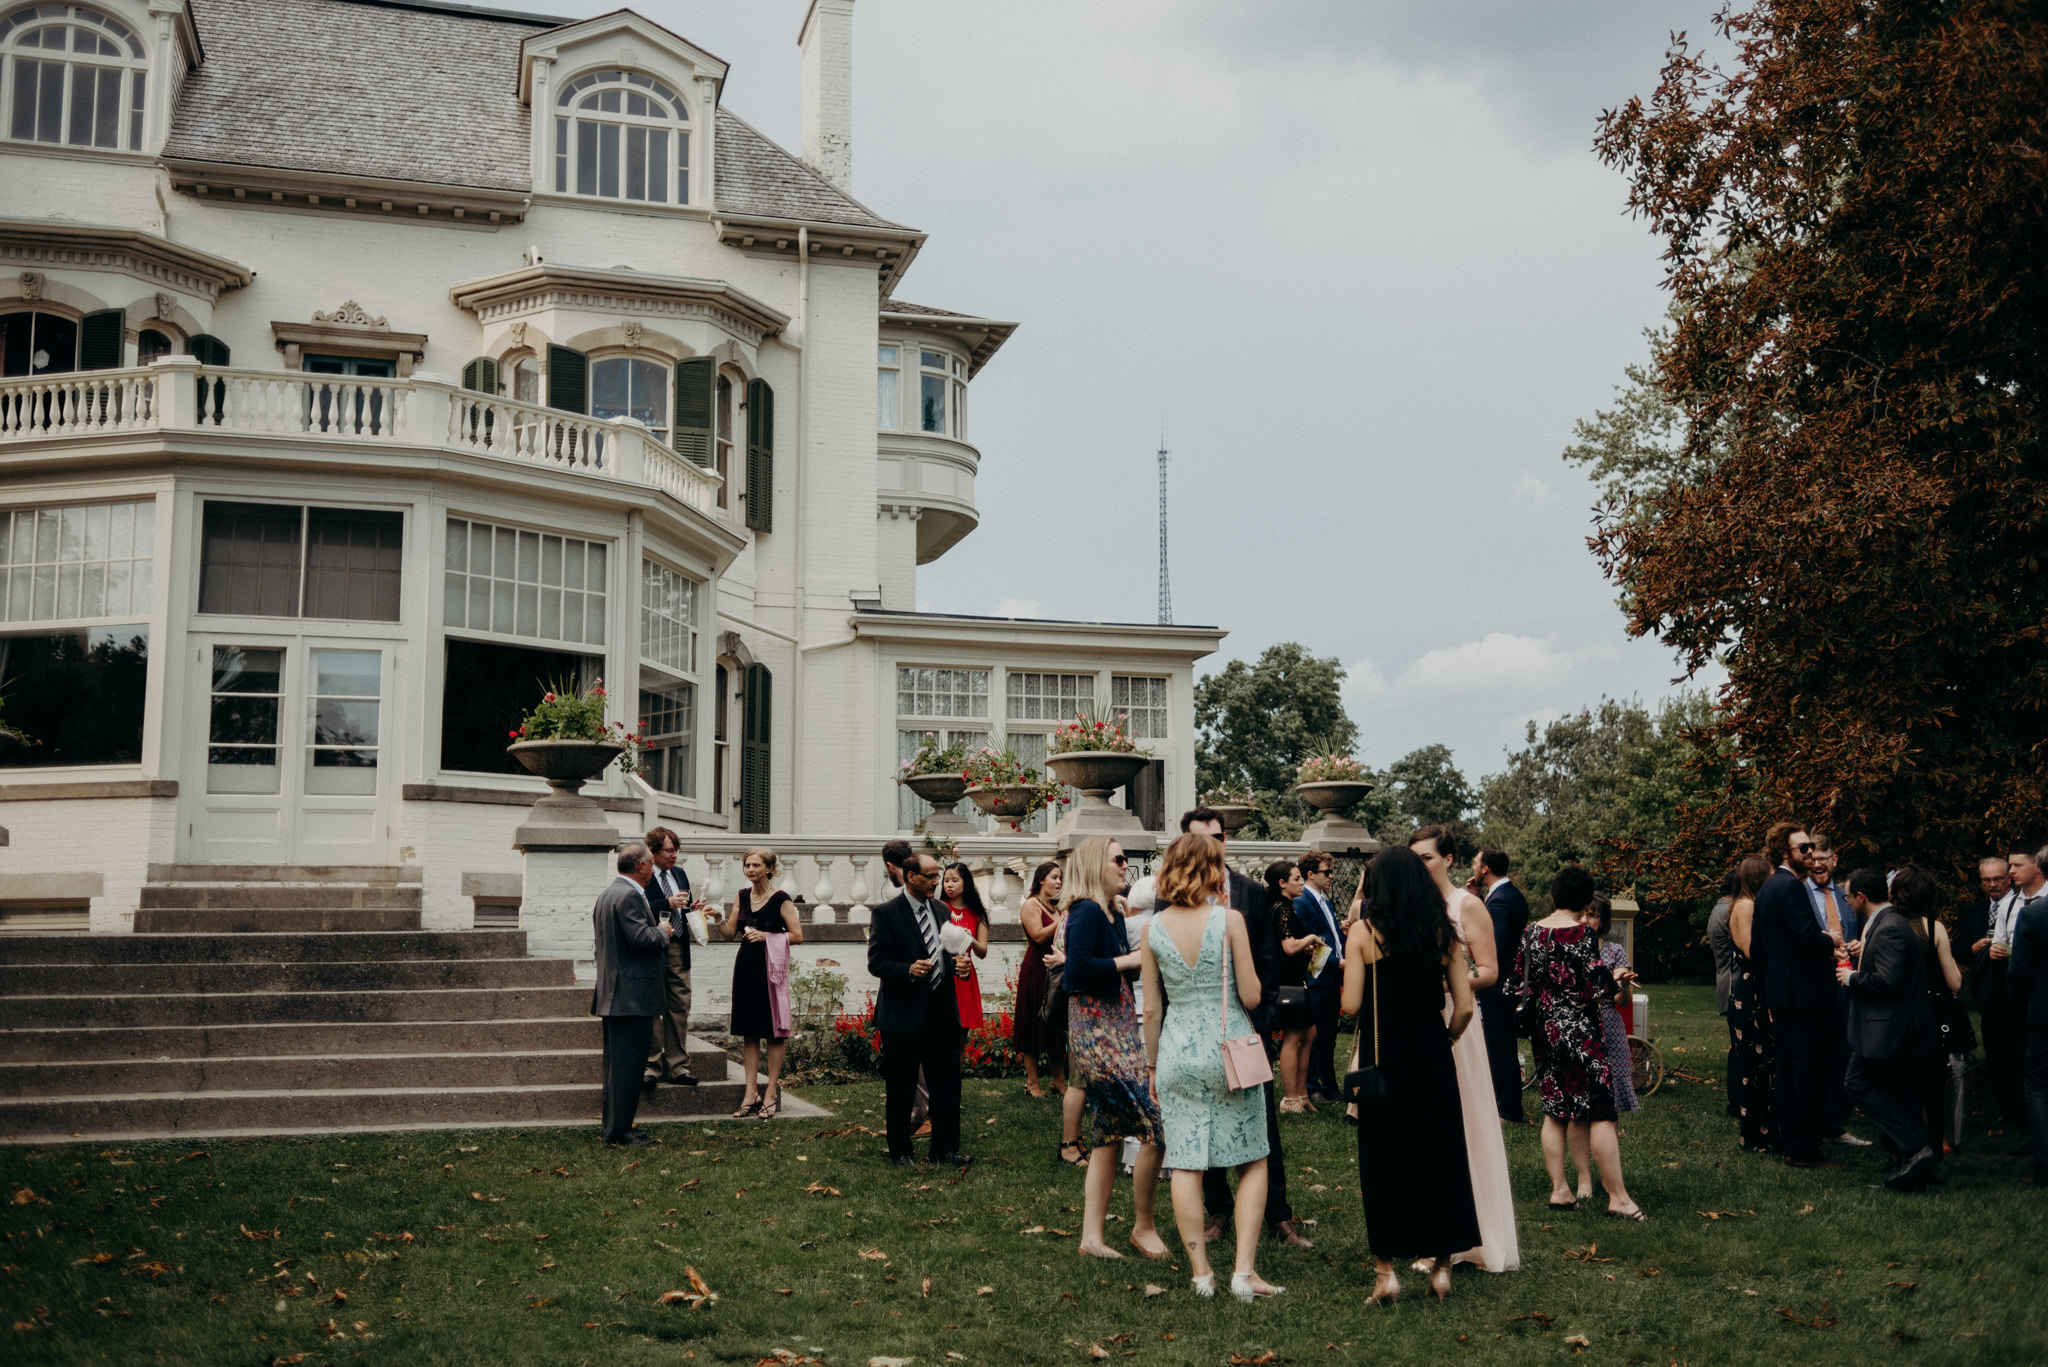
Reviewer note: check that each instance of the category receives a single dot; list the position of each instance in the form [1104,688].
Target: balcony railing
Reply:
[177,394]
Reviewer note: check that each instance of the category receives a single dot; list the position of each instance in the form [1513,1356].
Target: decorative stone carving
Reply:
[518,333]
[352,314]
[633,332]
[31,284]
[165,306]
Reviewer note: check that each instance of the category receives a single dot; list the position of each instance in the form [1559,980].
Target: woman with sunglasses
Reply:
[1106,1049]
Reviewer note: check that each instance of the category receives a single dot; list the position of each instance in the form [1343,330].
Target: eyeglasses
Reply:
[1806,848]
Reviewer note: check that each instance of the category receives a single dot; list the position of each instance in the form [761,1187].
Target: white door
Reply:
[293,770]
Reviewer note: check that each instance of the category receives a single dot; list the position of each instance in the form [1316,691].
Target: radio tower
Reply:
[1165,585]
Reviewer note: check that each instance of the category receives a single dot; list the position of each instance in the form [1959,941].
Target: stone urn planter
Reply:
[565,817]
[566,764]
[1009,803]
[1098,774]
[9,739]
[1334,834]
[1235,816]
[566,843]
[943,792]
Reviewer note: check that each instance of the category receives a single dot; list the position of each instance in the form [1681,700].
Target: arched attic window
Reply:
[622,135]
[73,77]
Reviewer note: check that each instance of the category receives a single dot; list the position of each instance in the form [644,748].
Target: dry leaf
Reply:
[820,1189]
[1719,1214]
[1035,1229]
[697,1282]
[926,1287]
[1063,1233]
[1153,1289]
[670,1248]
[985,1291]
[1098,1352]
[292,1361]
[890,1362]
[94,1259]
[1579,1343]
[874,1255]
[539,1301]
[1538,1316]
[1804,1210]
[1650,1271]
[1821,1321]
[25,1197]
[196,1153]
[1264,1359]
[1900,1286]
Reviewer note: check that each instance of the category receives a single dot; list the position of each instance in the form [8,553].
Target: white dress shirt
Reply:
[2004,912]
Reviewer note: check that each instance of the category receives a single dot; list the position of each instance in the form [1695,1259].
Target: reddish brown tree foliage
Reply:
[1857,225]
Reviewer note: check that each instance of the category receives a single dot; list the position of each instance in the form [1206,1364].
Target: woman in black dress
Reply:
[1412,1169]
[1297,1026]
[1753,1053]
[761,911]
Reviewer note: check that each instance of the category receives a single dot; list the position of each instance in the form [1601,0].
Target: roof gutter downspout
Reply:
[803,399]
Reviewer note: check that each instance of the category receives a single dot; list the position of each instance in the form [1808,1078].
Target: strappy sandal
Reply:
[773,1106]
[1636,1214]
[1080,1158]
[748,1110]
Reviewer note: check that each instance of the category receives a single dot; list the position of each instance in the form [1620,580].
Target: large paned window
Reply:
[37,344]
[668,666]
[625,387]
[923,693]
[723,401]
[275,560]
[512,582]
[931,393]
[74,695]
[85,561]
[888,387]
[1047,697]
[489,687]
[74,77]
[622,135]
[1143,701]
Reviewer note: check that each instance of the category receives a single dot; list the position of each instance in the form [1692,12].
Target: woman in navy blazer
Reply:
[1106,1048]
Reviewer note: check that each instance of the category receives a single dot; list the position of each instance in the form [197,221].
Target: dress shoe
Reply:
[1854,1141]
[649,1079]
[633,1141]
[683,1080]
[1289,1232]
[1912,1173]
[1218,1226]
[951,1160]
[903,1160]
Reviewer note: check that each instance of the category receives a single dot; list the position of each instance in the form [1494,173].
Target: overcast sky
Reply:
[1358,257]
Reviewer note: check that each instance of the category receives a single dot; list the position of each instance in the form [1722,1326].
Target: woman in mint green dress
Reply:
[1199,982]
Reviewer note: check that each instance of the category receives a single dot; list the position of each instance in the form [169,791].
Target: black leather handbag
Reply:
[1369,1084]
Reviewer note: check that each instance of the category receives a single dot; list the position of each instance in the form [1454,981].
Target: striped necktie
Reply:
[929,926]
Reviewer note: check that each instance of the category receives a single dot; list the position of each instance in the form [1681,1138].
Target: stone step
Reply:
[577,1030]
[385,946]
[279,896]
[246,1008]
[285,920]
[405,975]
[284,873]
[194,1115]
[358,1072]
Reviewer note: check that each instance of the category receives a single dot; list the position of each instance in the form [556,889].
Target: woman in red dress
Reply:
[964,905]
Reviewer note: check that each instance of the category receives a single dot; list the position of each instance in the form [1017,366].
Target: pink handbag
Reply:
[1244,1059]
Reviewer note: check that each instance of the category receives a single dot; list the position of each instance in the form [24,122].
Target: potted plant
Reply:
[1235,804]
[1006,788]
[1332,783]
[1096,755]
[567,741]
[934,773]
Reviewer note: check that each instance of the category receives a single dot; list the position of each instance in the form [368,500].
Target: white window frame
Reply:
[24,570]
[567,151]
[130,70]
[663,407]
[465,629]
[889,381]
[1118,707]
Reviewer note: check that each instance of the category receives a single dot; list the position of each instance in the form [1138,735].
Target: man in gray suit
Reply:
[632,950]
[1891,1028]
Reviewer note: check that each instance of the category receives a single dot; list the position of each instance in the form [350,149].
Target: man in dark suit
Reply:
[1326,989]
[917,1014]
[1891,1028]
[1510,912]
[1799,988]
[1262,927]
[629,991]
[1988,931]
[668,893]
[1832,909]
[2027,975]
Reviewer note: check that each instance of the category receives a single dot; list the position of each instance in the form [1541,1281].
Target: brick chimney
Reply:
[826,41]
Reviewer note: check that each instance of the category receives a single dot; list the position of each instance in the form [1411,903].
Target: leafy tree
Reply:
[1851,510]
[1429,789]
[1255,723]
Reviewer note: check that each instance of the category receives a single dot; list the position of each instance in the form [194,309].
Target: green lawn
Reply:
[544,1247]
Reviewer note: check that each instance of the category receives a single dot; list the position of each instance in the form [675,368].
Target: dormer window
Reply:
[622,135]
[73,78]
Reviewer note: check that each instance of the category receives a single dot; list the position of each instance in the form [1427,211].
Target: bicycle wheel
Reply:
[1646,1065]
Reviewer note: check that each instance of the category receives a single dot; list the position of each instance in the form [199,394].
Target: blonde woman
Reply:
[1106,1048]
[761,914]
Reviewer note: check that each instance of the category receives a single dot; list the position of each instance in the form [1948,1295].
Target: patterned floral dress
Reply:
[1621,1068]
[1563,981]
[1751,1060]
[1208,1125]
[1106,1053]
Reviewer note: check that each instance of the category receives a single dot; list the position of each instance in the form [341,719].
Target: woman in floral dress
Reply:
[1562,985]
[1105,1048]
[1755,1054]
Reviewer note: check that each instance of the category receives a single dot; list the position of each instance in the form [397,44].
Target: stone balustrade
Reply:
[177,394]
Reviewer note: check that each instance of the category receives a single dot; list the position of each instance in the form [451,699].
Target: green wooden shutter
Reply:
[209,351]
[568,380]
[760,456]
[690,434]
[481,375]
[99,339]
[756,697]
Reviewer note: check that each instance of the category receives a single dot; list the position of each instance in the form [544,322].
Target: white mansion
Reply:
[346,404]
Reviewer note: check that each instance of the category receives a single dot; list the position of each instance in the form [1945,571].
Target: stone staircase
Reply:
[279,1000]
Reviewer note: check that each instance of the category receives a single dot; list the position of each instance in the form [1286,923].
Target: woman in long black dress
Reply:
[762,910]
[1412,1169]
[1753,1055]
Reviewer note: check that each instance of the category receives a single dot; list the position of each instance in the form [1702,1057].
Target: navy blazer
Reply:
[1095,940]
[658,900]
[1890,1015]
[1509,911]
[1309,913]
[2027,969]
[1795,954]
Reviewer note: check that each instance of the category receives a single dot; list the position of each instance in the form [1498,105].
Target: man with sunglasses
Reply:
[1797,957]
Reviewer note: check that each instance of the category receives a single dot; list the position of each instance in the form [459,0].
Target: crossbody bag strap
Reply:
[1223,997]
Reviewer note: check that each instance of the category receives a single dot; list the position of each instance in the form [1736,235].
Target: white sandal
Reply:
[1205,1287]
[1242,1288]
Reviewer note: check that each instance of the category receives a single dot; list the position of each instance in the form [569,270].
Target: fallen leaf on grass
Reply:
[890,1362]
[257,1236]
[671,1248]
[820,1189]
[1153,1289]
[1719,1214]
[1900,1286]
[479,1196]
[1538,1316]
[1804,1210]
[1585,1255]
[785,1291]
[196,1153]
[873,1255]
[690,1185]
[985,1291]
[697,1283]
[1821,1321]
[27,1197]
[94,1260]
[538,1301]
[292,1361]
[926,1287]
[1098,1352]
[1265,1359]
[1035,1229]
[1650,1271]
[1579,1343]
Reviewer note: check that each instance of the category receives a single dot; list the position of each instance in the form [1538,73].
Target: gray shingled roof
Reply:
[899,306]
[418,95]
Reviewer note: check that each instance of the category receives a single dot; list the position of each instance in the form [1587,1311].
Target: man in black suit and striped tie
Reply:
[918,1014]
